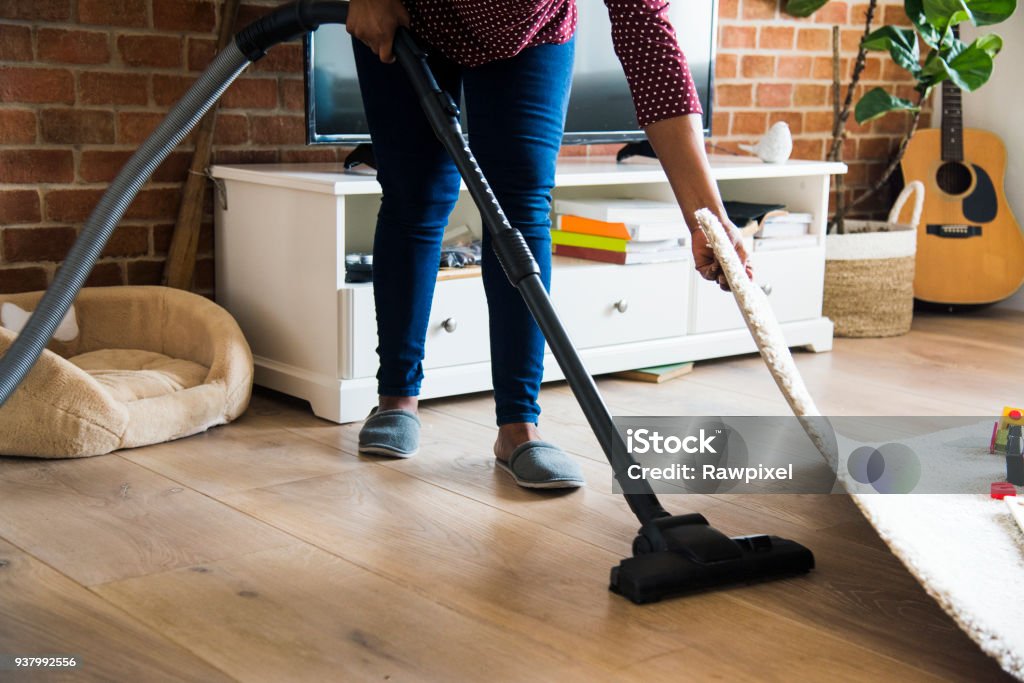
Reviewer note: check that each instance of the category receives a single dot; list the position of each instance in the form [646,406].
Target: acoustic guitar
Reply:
[969,246]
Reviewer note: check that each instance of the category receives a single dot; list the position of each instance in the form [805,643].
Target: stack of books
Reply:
[623,231]
[784,230]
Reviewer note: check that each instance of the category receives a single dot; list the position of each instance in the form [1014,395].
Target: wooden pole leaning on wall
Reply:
[181,257]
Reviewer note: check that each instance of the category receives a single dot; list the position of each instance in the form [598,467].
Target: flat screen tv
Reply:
[600,106]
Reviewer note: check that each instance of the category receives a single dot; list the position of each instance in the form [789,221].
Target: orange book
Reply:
[591,227]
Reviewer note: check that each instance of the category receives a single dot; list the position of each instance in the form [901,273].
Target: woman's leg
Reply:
[516,110]
[420,186]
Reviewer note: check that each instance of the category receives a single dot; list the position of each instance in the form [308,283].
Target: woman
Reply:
[513,61]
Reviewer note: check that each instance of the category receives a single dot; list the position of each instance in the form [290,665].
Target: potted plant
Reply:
[869,264]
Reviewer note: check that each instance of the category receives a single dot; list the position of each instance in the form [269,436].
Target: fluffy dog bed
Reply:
[129,366]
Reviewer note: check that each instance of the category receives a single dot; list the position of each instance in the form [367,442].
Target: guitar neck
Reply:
[952,123]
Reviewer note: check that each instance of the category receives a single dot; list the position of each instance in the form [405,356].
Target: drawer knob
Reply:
[449,325]
[767,288]
[621,305]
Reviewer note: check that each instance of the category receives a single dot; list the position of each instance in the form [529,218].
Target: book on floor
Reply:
[632,211]
[658,373]
[639,232]
[678,253]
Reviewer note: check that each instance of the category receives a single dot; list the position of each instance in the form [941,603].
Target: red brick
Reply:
[739,36]
[107,87]
[805,95]
[893,15]
[105,275]
[155,204]
[293,94]
[36,166]
[184,15]
[818,121]
[734,95]
[877,147]
[872,69]
[76,126]
[151,51]
[795,120]
[245,156]
[285,58]
[728,9]
[36,85]
[36,10]
[168,89]
[37,244]
[849,39]
[726,65]
[232,129]
[760,9]
[833,13]
[891,71]
[808,149]
[162,235]
[748,123]
[17,126]
[757,66]
[251,93]
[74,47]
[15,43]
[145,272]
[204,275]
[822,68]
[200,52]
[776,37]
[19,206]
[816,39]
[277,130]
[70,206]
[794,67]
[128,240]
[720,123]
[134,127]
[314,155]
[130,13]
[774,95]
[13,280]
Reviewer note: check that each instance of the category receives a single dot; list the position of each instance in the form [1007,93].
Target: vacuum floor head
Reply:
[694,556]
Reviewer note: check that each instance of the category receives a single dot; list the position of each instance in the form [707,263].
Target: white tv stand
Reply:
[280,270]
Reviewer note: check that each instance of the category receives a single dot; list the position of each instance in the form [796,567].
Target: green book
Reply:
[579,239]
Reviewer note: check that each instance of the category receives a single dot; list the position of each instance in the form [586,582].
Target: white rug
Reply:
[965,549]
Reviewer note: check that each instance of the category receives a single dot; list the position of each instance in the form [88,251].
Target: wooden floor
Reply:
[268,551]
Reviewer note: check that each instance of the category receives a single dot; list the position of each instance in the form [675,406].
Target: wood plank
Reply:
[298,613]
[46,613]
[537,582]
[102,519]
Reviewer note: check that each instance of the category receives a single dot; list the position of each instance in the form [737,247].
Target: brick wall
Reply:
[82,82]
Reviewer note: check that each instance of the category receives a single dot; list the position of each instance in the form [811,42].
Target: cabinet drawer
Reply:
[456,334]
[793,278]
[606,304]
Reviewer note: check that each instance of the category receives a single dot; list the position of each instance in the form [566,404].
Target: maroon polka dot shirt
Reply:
[474,32]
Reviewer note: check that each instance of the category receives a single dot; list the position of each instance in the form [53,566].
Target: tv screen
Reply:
[600,106]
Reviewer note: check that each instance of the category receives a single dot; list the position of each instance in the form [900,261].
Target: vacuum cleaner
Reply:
[672,554]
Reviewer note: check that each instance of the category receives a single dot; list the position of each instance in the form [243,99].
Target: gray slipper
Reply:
[395,433]
[542,465]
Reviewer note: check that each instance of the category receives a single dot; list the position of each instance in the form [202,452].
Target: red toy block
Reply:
[1002,489]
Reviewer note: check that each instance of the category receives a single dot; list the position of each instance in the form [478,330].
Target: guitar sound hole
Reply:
[953,178]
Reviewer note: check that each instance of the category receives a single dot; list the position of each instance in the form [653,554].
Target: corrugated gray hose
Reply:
[54,305]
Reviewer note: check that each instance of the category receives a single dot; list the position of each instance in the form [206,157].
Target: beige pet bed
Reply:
[129,366]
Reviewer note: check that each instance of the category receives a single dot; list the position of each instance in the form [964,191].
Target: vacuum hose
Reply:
[250,44]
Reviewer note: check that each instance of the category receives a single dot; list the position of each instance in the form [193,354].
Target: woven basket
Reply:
[869,273]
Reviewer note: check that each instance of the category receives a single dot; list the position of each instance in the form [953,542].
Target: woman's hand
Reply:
[374,22]
[704,258]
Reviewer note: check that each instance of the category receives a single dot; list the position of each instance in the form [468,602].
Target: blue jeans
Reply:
[516,115]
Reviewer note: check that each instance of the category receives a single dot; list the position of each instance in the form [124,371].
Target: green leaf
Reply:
[991,43]
[915,11]
[945,13]
[988,12]
[972,67]
[901,44]
[877,102]
[804,8]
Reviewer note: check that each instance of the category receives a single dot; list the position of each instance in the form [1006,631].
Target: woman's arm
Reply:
[669,110]
[679,143]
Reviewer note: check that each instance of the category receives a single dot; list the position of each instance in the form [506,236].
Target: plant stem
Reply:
[836,132]
[839,125]
[897,157]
